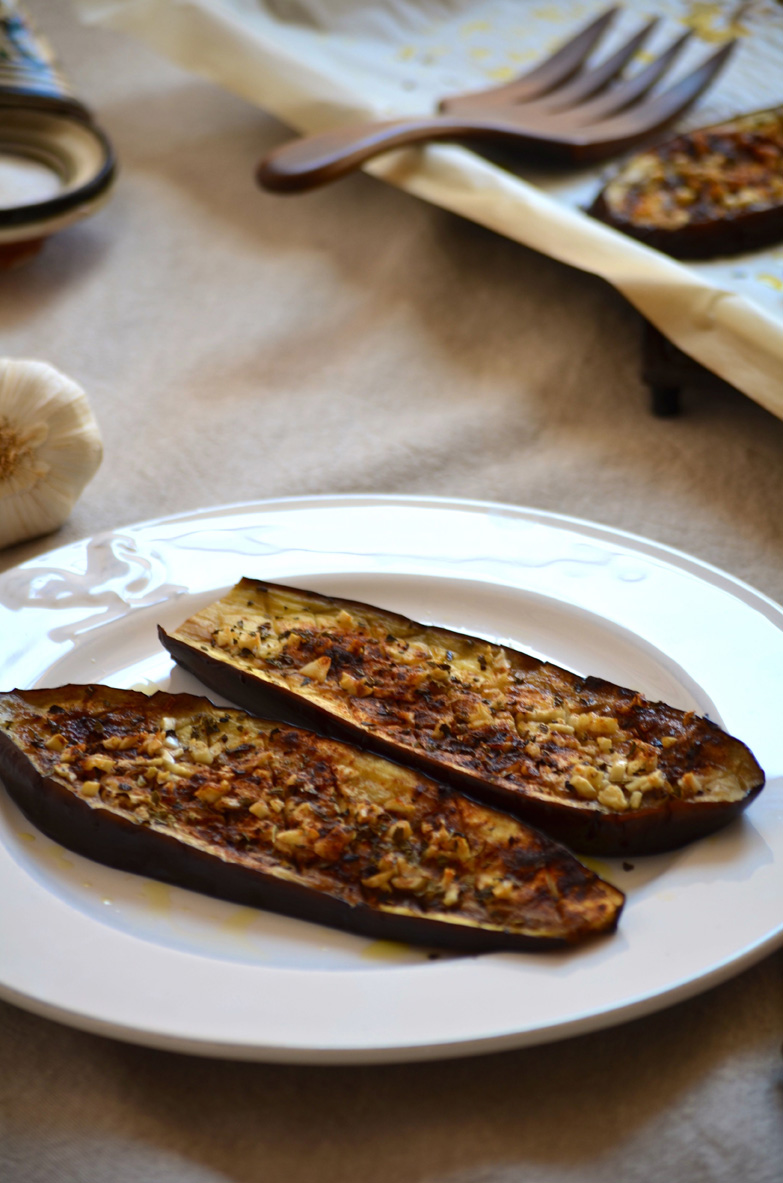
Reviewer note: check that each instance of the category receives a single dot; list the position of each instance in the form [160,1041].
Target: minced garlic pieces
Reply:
[618,771]
[316,670]
[201,753]
[583,787]
[356,687]
[612,797]
[367,807]
[591,724]
[618,783]
[544,731]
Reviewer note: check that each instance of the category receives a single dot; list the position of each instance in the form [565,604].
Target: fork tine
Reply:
[592,81]
[562,133]
[555,70]
[628,127]
[626,93]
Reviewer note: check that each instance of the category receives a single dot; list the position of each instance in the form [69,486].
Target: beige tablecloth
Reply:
[238,346]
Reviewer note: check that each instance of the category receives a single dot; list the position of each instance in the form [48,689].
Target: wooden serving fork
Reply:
[558,111]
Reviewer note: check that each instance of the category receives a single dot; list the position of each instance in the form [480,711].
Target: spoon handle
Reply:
[314,160]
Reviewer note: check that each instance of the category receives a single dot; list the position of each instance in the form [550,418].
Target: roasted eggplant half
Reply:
[715,191]
[594,765]
[275,817]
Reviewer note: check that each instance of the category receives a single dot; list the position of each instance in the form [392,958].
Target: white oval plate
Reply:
[121,955]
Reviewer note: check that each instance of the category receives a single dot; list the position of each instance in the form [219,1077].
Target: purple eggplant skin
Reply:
[700,240]
[660,824]
[205,856]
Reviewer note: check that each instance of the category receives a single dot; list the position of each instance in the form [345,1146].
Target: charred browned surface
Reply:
[278,817]
[595,764]
[718,190]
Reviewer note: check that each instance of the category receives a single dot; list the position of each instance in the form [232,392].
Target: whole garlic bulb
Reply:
[50,447]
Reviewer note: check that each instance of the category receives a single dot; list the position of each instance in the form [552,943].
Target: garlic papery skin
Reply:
[50,447]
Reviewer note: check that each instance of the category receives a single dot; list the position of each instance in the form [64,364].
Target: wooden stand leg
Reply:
[666,370]
[665,400]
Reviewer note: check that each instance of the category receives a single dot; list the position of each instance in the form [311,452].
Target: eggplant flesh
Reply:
[715,191]
[208,798]
[594,765]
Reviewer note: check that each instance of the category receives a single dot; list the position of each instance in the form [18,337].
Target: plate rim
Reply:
[647,545]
